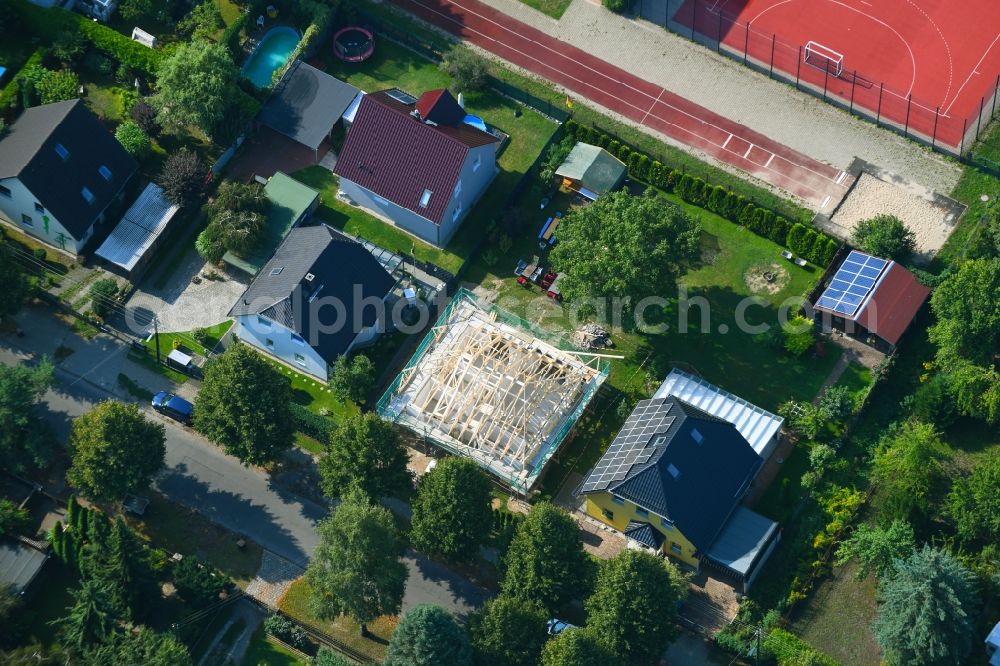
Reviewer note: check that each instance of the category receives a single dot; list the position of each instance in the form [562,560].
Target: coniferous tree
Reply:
[122,566]
[91,618]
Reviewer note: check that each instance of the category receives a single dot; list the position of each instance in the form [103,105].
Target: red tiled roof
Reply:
[428,100]
[398,157]
[894,304]
[440,107]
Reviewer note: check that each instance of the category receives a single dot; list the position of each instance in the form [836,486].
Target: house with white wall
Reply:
[320,296]
[418,163]
[60,171]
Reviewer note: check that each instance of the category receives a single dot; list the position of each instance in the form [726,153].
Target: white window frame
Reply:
[666,523]
[676,548]
[269,343]
[425,198]
[618,500]
[264,322]
[300,360]
[381,201]
[298,339]
[642,513]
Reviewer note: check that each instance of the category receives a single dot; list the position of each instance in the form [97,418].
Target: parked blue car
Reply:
[173,406]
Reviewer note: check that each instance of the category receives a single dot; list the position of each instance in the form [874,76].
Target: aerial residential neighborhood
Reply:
[499,332]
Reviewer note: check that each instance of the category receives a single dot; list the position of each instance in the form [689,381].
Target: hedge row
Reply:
[49,23]
[308,423]
[11,94]
[814,246]
[318,30]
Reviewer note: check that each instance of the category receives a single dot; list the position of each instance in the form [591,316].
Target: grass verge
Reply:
[138,392]
[263,650]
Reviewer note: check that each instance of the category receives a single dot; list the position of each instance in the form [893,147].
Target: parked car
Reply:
[556,627]
[173,406]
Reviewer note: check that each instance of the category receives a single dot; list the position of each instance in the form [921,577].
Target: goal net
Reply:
[824,59]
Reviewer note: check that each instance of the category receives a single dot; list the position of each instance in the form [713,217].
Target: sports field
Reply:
[927,66]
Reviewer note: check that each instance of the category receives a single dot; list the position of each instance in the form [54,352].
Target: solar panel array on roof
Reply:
[401,97]
[853,283]
[631,446]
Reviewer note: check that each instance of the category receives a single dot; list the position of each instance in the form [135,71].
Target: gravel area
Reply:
[798,120]
[931,220]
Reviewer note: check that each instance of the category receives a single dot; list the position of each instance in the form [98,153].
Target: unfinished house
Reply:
[485,385]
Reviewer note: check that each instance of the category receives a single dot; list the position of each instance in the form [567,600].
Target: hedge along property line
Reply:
[804,241]
[318,29]
[11,94]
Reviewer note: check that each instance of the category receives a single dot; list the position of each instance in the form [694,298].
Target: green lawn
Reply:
[187,341]
[295,604]
[554,8]
[309,444]
[264,650]
[312,393]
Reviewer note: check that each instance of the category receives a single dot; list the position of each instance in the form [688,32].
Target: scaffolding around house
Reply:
[487,385]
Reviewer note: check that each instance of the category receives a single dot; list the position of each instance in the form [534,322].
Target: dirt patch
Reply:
[766,279]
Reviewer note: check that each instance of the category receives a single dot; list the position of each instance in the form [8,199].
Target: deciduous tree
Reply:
[243,405]
[429,636]
[799,334]
[624,246]
[885,236]
[352,380]
[196,86]
[545,562]
[926,612]
[182,177]
[633,605]
[467,70]
[25,440]
[115,451]
[877,547]
[235,221]
[13,520]
[974,502]
[357,570]
[133,139]
[908,470]
[967,307]
[104,297]
[197,583]
[508,632]
[16,289]
[577,647]
[365,452]
[452,513]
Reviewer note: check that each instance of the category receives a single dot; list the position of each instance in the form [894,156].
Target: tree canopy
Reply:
[16,289]
[452,514]
[182,177]
[356,569]
[967,307]
[243,405]
[926,612]
[146,647]
[133,139]
[120,564]
[624,246]
[353,379]
[115,451]
[546,562]
[508,632]
[467,70]
[236,221]
[633,605]
[908,470]
[90,620]
[877,547]
[197,583]
[429,636]
[885,236]
[577,647]
[365,452]
[196,85]
[974,502]
[25,440]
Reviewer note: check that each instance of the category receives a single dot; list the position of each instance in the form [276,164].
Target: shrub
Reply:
[135,142]
[311,424]
[467,70]
[200,336]
[103,295]
[281,627]
[885,236]
[39,253]
[617,6]
[182,177]
[799,335]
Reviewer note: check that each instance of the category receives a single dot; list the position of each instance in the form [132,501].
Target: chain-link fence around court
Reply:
[861,93]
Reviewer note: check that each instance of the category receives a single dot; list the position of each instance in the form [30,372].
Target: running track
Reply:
[819,184]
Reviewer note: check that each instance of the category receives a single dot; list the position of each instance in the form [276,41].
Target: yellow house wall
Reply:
[597,503]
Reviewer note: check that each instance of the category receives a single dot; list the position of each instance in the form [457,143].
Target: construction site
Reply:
[487,385]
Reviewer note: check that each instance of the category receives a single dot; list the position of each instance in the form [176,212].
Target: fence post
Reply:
[937,112]
[694,16]
[996,89]
[979,119]
[746,42]
[826,80]
[798,68]
[906,126]
[878,111]
[854,83]
[718,34]
[965,128]
[770,72]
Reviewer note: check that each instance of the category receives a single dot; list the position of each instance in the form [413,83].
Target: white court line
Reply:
[546,64]
[651,106]
[825,202]
[748,151]
[841,177]
[728,139]
[969,78]
[768,163]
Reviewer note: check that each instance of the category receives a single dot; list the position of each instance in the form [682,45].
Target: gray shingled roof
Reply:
[337,264]
[680,463]
[742,540]
[306,104]
[19,564]
[644,534]
[28,153]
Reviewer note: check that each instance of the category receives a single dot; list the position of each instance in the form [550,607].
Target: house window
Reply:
[269,343]
[263,322]
[87,195]
[26,220]
[425,198]
[478,163]
[105,172]
[617,500]
[458,189]
[674,472]
[667,523]
[277,271]
[642,513]
[675,547]
[696,436]
[298,339]
[608,515]
[458,211]
[39,208]
[300,359]
[5,191]
[61,151]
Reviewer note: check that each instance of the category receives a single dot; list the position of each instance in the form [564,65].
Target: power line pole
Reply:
[757,651]
[156,338]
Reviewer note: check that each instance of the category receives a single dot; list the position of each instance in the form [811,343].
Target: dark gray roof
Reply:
[742,540]
[343,271]
[28,153]
[19,564]
[680,463]
[644,534]
[306,104]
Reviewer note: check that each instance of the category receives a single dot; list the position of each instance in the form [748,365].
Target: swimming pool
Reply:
[271,53]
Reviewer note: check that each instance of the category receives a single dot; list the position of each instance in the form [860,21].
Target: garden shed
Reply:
[591,171]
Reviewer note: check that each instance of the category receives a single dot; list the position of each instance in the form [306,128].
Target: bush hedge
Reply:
[804,241]
[790,650]
[308,423]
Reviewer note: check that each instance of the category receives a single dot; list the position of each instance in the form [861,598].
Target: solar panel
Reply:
[852,284]
[649,419]
[402,97]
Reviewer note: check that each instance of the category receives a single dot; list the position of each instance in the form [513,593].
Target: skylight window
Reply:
[674,472]
[696,436]
[425,198]
[105,172]
[87,195]
[61,151]
[277,271]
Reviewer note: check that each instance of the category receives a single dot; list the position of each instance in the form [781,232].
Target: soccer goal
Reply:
[824,59]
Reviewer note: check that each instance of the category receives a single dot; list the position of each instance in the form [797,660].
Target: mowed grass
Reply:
[313,394]
[554,8]
[186,339]
[264,650]
[396,66]
[295,604]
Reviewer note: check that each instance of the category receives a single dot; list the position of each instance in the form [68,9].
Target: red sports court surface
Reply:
[930,66]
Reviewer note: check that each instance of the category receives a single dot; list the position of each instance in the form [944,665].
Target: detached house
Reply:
[318,297]
[674,478]
[60,170]
[421,164]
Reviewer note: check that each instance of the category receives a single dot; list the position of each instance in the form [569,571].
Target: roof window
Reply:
[61,151]
[425,198]
[277,271]
[105,172]
[696,436]
[87,195]
[674,472]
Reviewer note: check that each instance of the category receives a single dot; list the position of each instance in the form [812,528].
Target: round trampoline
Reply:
[353,44]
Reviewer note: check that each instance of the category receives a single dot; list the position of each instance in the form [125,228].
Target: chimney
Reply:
[310,277]
[461,100]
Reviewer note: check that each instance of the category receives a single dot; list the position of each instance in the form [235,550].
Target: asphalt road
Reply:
[199,475]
